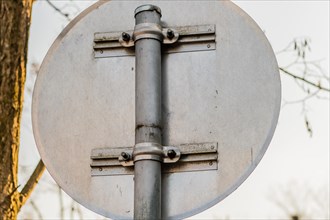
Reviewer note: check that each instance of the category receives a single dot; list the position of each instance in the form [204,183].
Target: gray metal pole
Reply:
[147,152]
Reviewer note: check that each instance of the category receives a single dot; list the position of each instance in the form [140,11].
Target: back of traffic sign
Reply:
[220,105]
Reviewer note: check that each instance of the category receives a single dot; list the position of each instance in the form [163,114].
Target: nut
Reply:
[126,37]
[171,154]
[125,156]
[170,34]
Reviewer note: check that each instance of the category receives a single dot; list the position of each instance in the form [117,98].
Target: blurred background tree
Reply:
[15,24]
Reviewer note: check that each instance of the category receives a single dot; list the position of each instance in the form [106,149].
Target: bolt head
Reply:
[170,34]
[125,36]
[171,154]
[125,155]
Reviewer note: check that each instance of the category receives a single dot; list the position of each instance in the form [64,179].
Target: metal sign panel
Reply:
[222,91]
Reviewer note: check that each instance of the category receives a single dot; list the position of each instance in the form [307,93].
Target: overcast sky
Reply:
[294,162]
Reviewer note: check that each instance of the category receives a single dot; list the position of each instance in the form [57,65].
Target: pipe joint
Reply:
[143,8]
[148,31]
[148,151]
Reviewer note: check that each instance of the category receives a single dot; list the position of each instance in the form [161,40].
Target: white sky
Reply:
[294,162]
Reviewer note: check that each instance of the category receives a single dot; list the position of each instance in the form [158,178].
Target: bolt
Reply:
[126,36]
[100,169]
[212,147]
[170,34]
[171,154]
[211,163]
[125,155]
[208,46]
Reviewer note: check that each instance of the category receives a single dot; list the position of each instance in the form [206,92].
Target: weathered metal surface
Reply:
[230,95]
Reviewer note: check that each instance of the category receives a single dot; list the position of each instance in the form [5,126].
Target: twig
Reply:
[60,195]
[36,209]
[300,100]
[31,183]
[79,211]
[304,80]
[66,15]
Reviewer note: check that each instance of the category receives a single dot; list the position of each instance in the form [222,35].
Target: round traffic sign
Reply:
[225,90]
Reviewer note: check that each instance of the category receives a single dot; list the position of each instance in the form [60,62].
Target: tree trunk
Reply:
[15,17]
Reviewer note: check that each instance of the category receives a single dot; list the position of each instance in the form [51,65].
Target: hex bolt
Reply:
[170,34]
[171,154]
[126,36]
[125,155]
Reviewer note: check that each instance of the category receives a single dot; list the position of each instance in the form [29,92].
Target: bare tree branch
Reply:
[307,73]
[66,15]
[300,201]
[75,207]
[31,183]
[36,209]
[60,195]
[79,212]
[303,100]
[318,86]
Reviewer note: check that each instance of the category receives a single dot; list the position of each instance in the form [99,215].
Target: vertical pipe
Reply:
[147,169]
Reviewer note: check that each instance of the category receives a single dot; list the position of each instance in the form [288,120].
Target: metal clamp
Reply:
[148,30]
[148,151]
[147,7]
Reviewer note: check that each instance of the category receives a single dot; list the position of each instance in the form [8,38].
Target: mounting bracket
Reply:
[174,40]
[182,158]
